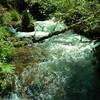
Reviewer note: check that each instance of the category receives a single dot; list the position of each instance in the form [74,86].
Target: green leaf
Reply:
[7,68]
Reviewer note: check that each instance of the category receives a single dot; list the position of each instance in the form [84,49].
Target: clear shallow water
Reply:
[64,70]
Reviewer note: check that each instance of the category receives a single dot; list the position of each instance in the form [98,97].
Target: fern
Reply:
[6,75]
[7,68]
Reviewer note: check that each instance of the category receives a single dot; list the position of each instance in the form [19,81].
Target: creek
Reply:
[63,70]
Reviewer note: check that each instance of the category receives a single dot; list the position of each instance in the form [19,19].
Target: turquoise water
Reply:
[64,70]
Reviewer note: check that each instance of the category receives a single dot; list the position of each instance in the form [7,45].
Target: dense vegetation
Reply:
[82,15]
[6,69]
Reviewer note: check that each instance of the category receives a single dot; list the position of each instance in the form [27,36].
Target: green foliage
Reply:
[6,75]
[6,68]
[86,13]
[6,51]
[9,16]
[83,11]
[6,47]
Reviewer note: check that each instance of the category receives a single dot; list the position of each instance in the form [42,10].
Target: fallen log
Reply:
[49,35]
[38,36]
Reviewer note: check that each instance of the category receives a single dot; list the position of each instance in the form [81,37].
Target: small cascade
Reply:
[63,69]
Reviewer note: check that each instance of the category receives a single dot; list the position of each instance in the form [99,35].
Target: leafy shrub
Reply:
[6,75]
[84,14]
[6,47]
[9,16]
[7,78]
[6,70]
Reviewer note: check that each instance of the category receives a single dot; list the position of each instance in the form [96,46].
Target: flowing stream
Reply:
[63,70]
